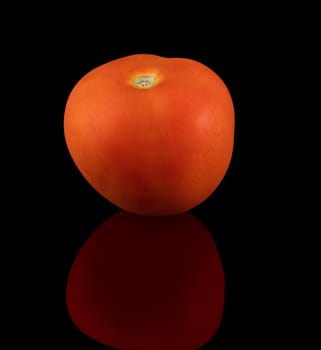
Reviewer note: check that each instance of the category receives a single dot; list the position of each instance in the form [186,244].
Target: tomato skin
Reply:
[152,151]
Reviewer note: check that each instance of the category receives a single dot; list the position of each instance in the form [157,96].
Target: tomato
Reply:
[153,135]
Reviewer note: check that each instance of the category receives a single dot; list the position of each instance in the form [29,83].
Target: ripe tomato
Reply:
[153,135]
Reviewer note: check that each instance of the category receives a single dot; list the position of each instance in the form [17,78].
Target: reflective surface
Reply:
[67,212]
[148,283]
[254,216]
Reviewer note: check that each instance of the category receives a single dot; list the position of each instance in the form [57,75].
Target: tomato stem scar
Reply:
[144,81]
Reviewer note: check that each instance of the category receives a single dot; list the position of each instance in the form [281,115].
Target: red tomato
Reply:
[153,135]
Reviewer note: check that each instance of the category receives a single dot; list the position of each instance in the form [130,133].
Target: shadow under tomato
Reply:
[146,283]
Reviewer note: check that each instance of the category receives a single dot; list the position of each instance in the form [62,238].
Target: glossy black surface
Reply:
[63,209]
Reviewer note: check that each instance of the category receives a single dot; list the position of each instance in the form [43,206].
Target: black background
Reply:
[55,209]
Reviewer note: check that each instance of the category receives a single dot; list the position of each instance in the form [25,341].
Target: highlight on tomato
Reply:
[153,135]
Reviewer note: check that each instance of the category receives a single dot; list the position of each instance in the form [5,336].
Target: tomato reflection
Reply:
[148,283]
